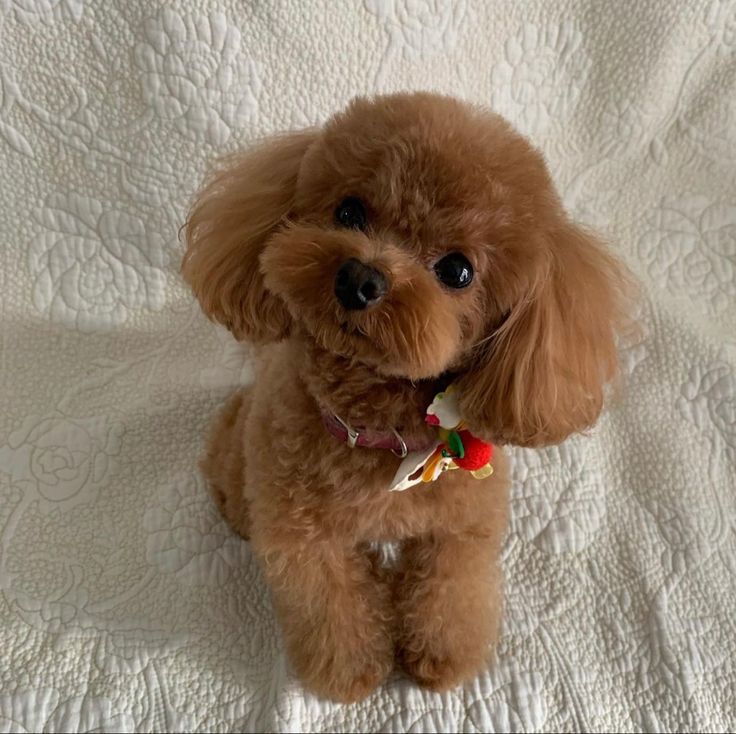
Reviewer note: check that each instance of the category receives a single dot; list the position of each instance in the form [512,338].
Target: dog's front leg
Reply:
[335,614]
[449,607]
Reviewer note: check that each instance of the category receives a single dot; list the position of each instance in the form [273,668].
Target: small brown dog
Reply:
[411,243]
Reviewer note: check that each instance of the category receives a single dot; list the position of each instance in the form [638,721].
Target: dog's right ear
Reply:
[234,215]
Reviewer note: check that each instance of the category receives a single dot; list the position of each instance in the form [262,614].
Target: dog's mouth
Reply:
[354,331]
[345,338]
[381,344]
[350,339]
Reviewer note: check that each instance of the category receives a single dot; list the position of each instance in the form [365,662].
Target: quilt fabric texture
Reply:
[125,602]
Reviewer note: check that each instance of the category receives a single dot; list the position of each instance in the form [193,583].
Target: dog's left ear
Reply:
[540,376]
[233,217]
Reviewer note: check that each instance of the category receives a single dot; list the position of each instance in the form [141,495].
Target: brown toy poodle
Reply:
[411,244]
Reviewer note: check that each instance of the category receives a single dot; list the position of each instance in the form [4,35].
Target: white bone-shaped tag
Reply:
[410,470]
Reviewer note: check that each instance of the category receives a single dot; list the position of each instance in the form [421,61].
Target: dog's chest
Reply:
[386,553]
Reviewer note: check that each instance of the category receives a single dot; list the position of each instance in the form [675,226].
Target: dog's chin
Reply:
[349,341]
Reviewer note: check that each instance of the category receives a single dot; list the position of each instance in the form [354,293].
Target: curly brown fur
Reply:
[530,344]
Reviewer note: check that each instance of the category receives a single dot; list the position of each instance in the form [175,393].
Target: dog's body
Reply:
[311,506]
[456,265]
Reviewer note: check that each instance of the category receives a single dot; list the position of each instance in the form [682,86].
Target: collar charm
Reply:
[456,447]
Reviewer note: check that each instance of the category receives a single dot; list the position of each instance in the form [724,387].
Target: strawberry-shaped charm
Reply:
[477,453]
[456,447]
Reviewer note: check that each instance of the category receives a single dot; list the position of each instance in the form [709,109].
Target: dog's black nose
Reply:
[358,285]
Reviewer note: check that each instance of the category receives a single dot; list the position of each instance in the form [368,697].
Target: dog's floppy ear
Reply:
[540,375]
[226,231]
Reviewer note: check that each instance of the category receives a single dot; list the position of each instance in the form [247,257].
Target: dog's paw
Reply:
[346,682]
[438,673]
[345,663]
[438,667]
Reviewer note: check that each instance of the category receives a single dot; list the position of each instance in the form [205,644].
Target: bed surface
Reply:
[125,602]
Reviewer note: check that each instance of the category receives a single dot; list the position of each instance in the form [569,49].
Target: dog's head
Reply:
[420,236]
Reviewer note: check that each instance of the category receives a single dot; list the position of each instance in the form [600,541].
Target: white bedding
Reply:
[126,603]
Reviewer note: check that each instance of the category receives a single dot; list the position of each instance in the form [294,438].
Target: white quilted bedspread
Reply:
[125,602]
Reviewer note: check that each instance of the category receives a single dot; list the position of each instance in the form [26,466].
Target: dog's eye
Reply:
[351,213]
[454,270]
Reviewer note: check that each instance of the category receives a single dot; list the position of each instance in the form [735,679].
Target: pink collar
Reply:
[371,439]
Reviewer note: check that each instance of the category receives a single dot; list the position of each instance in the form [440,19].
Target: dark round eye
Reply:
[351,213]
[454,270]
